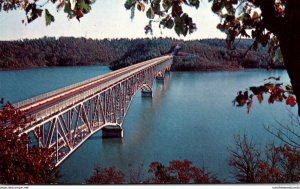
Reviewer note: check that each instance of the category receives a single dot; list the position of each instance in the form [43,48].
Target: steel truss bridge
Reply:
[64,119]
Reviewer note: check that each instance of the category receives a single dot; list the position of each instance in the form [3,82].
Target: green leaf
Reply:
[229,17]
[246,19]
[156,6]
[184,24]
[221,27]
[230,9]
[84,6]
[129,3]
[217,6]
[48,17]
[150,13]
[194,3]
[167,22]
[167,4]
[279,56]
[132,10]
[176,10]
[156,2]
[178,29]
[68,10]
[34,14]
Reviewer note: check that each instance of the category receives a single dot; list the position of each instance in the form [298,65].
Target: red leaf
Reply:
[79,14]
[249,105]
[260,97]
[271,99]
[291,100]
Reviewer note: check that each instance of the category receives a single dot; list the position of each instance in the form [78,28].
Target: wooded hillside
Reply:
[208,54]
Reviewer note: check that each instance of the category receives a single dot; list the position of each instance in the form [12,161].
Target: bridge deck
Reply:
[65,118]
[43,105]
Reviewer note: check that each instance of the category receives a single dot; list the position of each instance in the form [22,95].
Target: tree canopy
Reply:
[208,54]
[239,18]
[20,161]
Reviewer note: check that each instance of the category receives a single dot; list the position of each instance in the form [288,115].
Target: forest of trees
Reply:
[208,54]
[70,51]
[213,54]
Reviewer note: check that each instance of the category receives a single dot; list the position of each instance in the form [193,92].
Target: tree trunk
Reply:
[290,45]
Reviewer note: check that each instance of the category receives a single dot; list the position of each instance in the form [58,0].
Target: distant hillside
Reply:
[69,51]
[212,54]
[208,54]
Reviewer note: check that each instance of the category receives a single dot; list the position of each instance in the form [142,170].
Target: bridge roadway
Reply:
[45,104]
[64,119]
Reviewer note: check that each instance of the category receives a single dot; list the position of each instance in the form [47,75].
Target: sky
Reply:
[107,19]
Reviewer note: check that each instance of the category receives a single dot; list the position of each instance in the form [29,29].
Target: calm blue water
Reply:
[190,116]
[20,85]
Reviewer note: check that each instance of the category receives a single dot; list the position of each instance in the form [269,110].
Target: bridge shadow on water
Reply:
[144,122]
[106,140]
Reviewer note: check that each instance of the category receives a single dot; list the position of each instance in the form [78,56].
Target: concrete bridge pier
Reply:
[112,132]
[146,91]
[160,76]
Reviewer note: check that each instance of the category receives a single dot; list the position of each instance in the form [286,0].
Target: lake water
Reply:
[20,85]
[191,116]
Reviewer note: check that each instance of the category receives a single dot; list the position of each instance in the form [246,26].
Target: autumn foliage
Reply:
[20,162]
[106,176]
[274,91]
[179,172]
[279,164]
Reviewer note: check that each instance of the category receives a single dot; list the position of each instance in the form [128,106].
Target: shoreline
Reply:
[176,69]
[40,67]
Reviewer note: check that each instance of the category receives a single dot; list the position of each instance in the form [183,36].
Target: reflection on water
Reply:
[190,116]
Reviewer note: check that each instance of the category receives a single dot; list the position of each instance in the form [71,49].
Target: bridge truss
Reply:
[68,123]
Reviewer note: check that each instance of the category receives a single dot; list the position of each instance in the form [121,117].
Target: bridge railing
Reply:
[62,105]
[75,99]
[45,95]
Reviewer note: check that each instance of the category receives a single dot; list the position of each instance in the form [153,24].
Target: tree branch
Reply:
[271,20]
[284,139]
